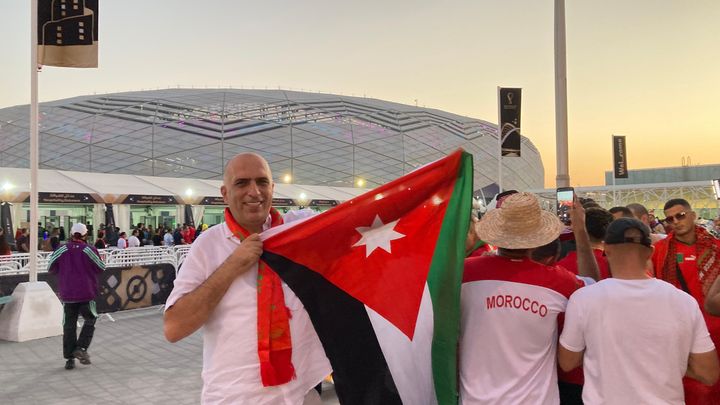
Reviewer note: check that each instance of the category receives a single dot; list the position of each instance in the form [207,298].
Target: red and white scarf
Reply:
[273,317]
[708,259]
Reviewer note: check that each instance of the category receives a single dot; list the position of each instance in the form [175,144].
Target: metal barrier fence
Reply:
[18,263]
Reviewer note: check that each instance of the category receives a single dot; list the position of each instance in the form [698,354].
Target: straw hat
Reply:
[519,224]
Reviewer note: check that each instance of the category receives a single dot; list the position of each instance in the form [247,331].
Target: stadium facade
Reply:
[136,153]
[316,139]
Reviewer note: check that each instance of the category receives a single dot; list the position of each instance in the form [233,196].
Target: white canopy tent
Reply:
[113,189]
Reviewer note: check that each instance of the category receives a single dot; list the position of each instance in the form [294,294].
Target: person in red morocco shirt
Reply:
[509,309]
[689,258]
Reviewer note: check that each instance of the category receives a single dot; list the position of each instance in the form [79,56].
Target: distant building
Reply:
[677,174]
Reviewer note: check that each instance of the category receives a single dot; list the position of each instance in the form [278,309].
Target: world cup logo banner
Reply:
[510,121]
[620,157]
[68,33]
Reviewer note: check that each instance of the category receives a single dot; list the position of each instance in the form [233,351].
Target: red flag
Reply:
[368,254]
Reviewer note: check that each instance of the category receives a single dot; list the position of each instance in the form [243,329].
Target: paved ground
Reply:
[133,364]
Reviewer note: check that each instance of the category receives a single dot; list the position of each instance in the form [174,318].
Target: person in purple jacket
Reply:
[77,266]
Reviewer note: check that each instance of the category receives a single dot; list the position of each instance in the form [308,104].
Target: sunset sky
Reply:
[647,69]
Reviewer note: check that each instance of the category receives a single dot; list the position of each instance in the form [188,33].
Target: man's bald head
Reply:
[248,190]
[242,159]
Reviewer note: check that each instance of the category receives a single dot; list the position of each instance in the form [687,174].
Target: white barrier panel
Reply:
[18,263]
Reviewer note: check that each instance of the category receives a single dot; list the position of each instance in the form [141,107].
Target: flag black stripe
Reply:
[360,370]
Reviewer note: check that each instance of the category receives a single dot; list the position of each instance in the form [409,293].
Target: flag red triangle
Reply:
[390,283]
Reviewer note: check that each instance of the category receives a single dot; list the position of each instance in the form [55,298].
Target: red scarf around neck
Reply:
[708,259]
[273,317]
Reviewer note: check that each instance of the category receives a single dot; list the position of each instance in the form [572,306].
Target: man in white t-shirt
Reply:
[635,336]
[217,289]
[133,240]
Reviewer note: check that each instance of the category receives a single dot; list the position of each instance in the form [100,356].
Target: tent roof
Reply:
[110,186]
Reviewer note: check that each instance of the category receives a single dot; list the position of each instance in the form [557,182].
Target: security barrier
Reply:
[133,278]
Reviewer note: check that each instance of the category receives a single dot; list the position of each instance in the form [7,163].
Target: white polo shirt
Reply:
[231,369]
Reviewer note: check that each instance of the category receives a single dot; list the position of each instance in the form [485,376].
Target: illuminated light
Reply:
[436,200]
[287,178]
[189,192]
[303,197]
[7,186]
[360,182]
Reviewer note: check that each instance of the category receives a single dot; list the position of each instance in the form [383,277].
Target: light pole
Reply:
[561,127]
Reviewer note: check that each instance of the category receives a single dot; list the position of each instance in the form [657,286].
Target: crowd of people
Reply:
[637,325]
[618,307]
[598,305]
[107,237]
[147,235]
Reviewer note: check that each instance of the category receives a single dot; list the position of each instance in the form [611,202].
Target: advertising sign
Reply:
[509,100]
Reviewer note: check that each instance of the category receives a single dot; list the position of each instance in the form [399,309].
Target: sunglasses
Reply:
[677,217]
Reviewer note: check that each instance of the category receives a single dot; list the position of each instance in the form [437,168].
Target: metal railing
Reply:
[18,263]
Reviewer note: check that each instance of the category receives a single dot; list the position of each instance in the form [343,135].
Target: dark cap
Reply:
[615,233]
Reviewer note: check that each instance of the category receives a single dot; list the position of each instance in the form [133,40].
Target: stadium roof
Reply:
[318,139]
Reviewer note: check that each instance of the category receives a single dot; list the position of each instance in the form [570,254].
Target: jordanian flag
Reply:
[380,277]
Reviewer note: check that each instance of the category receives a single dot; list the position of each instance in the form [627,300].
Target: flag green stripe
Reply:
[444,281]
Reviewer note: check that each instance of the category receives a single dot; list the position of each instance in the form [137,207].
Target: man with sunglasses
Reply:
[689,258]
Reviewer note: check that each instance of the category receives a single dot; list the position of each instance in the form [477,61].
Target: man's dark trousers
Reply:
[70,339]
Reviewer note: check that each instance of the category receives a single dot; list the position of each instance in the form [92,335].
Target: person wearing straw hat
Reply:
[510,305]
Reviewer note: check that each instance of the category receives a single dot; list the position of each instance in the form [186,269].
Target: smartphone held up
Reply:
[565,198]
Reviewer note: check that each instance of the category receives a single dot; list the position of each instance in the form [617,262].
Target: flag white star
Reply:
[378,235]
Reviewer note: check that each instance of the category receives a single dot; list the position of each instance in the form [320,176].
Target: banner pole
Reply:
[499,135]
[34,149]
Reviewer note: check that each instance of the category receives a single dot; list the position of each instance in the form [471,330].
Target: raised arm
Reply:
[587,265]
[191,311]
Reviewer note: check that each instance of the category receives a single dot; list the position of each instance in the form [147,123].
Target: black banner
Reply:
[68,33]
[276,202]
[6,223]
[212,201]
[65,198]
[509,100]
[323,203]
[109,216]
[189,215]
[149,199]
[283,202]
[620,157]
